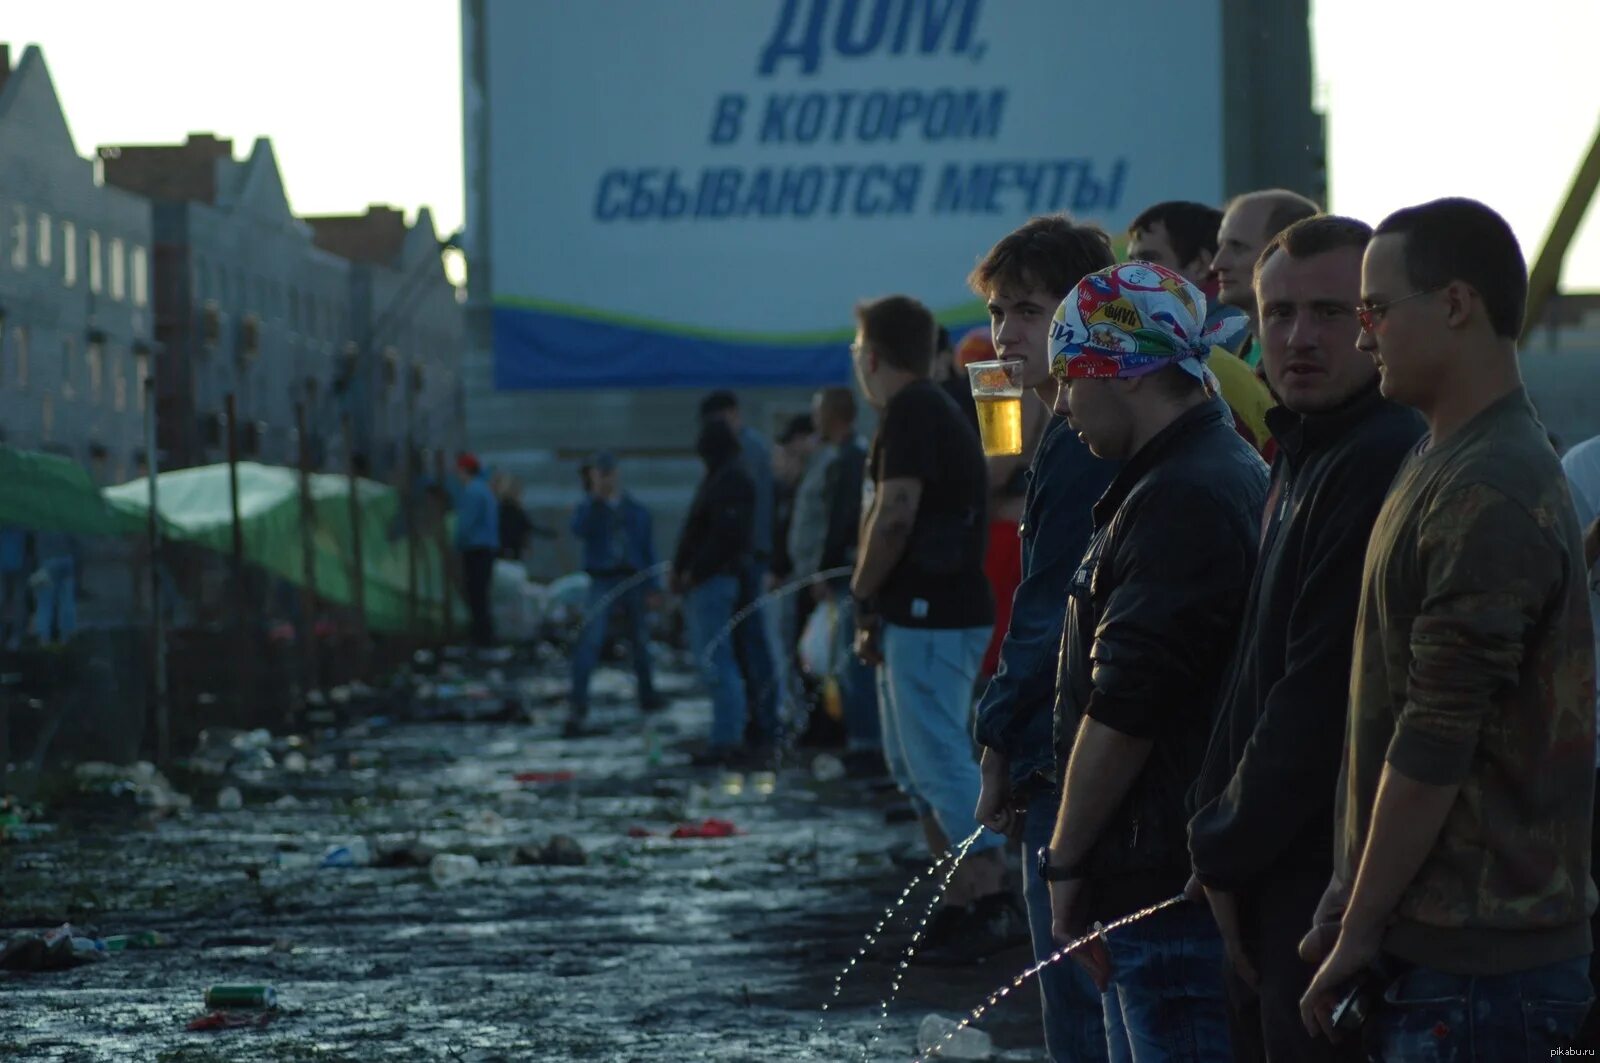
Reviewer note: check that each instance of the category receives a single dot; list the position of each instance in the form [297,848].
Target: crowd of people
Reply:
[1281,624]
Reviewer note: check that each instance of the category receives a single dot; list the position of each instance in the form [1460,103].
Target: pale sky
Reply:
[362,98]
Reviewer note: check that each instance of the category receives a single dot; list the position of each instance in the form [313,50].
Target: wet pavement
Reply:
[654,948]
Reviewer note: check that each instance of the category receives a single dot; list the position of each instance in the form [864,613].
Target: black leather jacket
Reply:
[1152,618]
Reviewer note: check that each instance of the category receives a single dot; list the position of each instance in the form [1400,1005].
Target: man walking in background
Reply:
[1262,836]
[618,547]
[477,541]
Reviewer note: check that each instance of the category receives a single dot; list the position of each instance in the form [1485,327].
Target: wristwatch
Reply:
[1056,874]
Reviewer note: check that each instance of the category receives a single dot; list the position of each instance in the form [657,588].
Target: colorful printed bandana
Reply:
[1129,320]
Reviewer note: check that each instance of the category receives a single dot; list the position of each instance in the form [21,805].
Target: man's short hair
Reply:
[942,341]
[1191,227]
[1317,236]
[837,405]
[797,427]
[1462,240]
[901,330]
[1284,207]
[1051,252]
[718,402]
[1176,384]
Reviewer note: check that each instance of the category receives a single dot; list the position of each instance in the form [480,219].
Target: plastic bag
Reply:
[819,642]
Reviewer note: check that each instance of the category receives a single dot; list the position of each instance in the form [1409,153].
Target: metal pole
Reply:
[409,497]
[308,558]
[446,594]
[158,624]
[358,587]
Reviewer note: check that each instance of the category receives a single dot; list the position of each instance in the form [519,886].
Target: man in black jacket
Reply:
[1153,610]
[713,551]
[1262,835]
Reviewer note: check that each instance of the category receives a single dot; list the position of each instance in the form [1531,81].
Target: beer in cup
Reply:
[997,390]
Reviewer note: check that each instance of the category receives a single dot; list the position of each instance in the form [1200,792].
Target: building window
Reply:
[202,283]
[140,261]
[96,277]
[119,271]
[69,254]
[47,418]
[19,344]
[141,379]
[69,368]
[45,249]
[19,236]
[95,361]
[119,384]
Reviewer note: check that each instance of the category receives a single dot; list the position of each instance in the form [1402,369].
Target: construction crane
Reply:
[1545,278]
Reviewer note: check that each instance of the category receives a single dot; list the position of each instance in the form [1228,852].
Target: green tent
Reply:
[195,508]
[45,492]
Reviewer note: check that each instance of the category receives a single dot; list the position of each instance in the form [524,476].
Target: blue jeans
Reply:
[1074,1022]
[755,642]
[592,639]
[1431,1015]
[55,615]
[858,686]
[924,700]
[1166,1001]
[709,607]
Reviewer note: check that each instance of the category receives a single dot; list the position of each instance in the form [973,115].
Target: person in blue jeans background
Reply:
[55,588]
[618,549]
[1023,279]
[756,642]
[478,541]
[1152,614]
[712,554]
[923,608]
[14,548]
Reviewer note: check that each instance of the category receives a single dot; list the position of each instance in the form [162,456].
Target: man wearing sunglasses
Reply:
[1462,823]
[1262,835]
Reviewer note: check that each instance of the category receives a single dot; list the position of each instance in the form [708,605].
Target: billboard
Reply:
[696,193]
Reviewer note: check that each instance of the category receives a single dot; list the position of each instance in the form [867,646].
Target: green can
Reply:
[241,996]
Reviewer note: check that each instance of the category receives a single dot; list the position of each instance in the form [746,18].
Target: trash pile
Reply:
[139,784]
[66,946]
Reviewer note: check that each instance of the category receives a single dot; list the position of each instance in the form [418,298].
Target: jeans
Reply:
[1166,998]
[592,639]
[709,607]
[755,643]
[1074,1022]
[55,615]
[924,698]
[858,686]
[477,574]
[1431,1015]
[13,608]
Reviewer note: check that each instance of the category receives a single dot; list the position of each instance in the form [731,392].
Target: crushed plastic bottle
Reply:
[449,869]
[826,767]
[356,853]
[970,1043]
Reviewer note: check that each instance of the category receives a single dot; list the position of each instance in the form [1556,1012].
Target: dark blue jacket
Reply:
[1014,715]
[617,537]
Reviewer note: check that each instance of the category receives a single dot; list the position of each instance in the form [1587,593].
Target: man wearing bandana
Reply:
[1152,613]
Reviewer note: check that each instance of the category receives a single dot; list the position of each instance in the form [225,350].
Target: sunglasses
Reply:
[1371,316]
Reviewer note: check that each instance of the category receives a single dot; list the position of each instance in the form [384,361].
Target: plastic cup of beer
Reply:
[997,390]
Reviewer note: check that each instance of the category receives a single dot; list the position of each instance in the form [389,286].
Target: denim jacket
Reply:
[1014,714]
[617,537]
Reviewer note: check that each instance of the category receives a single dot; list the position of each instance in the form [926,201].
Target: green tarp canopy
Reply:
[195,508]
[45,492]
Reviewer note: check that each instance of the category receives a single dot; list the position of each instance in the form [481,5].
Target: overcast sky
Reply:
[362,98]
